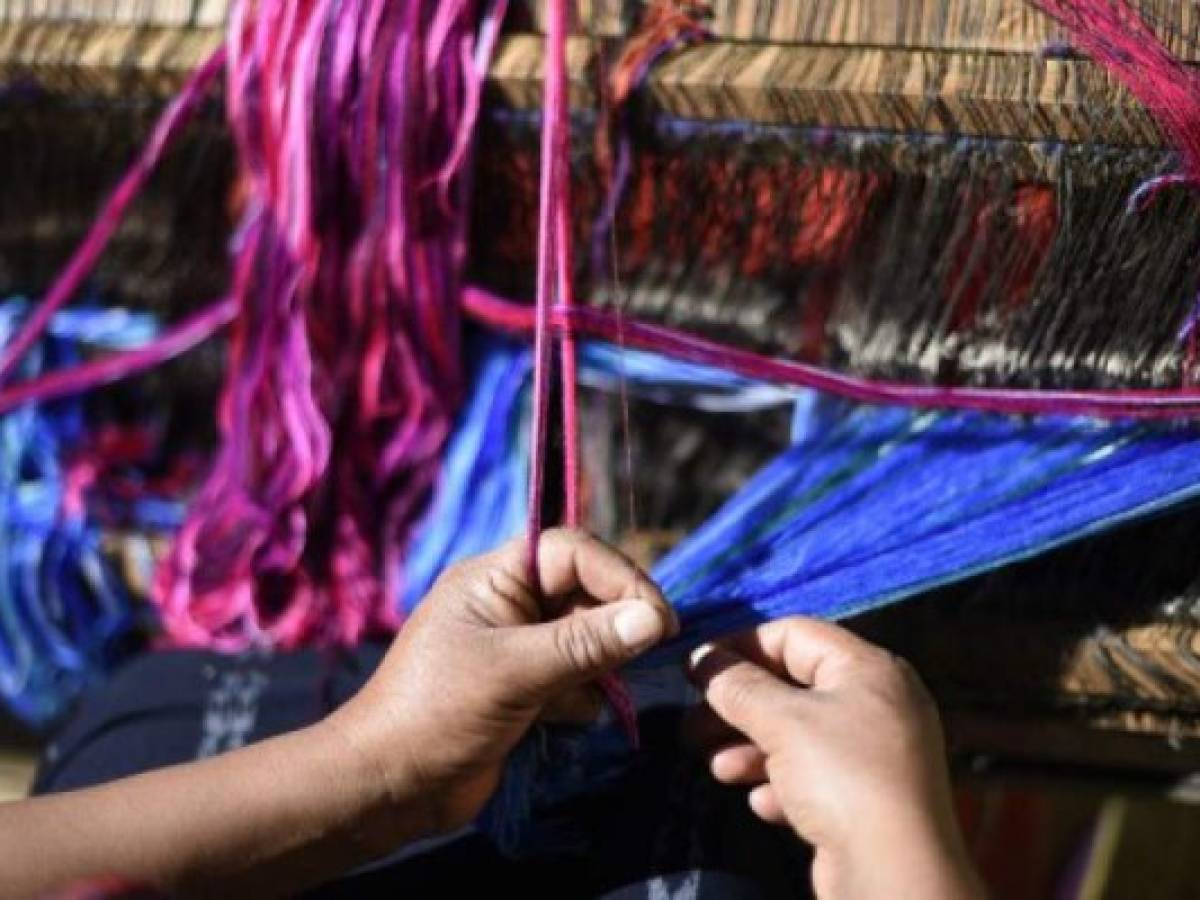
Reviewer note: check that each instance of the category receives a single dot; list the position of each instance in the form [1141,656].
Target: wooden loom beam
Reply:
[993,26]
[974,94]
[997,26]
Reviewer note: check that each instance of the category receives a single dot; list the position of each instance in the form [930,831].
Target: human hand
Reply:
[486,654]
[839,739]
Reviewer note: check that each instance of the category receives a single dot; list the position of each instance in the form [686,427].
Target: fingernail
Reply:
[697,656]
[638,625]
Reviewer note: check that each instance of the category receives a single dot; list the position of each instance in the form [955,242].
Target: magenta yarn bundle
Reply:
[353,121]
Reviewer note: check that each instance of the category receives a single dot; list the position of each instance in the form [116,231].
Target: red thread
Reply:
[980,257]
[665,25]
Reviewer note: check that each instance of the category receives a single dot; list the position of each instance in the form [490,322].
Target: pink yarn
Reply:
[187,334]
[554,283]
[1115,34]
[352,122]
[177,114]
[519,318]
[555,289]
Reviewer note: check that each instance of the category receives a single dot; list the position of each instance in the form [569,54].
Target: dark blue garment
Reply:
[655,826]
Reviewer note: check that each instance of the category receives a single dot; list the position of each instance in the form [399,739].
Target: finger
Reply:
[581,646]
[764,801]
[739,764]
[745,695]
[578,706]
[809,651]
[496,586]
[706,732]
[570,560]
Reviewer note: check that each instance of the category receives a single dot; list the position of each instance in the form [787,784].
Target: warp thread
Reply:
[885,503]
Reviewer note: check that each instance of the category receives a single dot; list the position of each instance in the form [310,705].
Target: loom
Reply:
[934,196]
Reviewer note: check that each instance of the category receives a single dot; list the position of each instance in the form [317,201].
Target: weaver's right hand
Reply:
[839,739]
[487,653]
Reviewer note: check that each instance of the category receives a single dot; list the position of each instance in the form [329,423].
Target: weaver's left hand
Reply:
[485,655]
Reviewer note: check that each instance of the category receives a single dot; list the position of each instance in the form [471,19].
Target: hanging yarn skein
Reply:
[352,123]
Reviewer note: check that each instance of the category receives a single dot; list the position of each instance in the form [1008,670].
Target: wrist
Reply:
[389,808]
[902,856]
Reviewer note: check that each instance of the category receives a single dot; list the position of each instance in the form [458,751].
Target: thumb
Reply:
[583,645]
[745,695]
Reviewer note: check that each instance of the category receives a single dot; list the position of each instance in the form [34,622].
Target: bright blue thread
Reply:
[62,607]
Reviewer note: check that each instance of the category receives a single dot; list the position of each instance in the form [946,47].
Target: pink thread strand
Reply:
[491,310]
[581,320]
[549,274]
[177,114]
[117,366]
[565,267]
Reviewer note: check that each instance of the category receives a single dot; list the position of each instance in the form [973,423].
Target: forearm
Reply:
[274,817]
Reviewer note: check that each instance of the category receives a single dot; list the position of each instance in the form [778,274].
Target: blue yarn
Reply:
[62,607]
[480,498]
[870,505]
[890,503]
[86,323]
[668,381]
